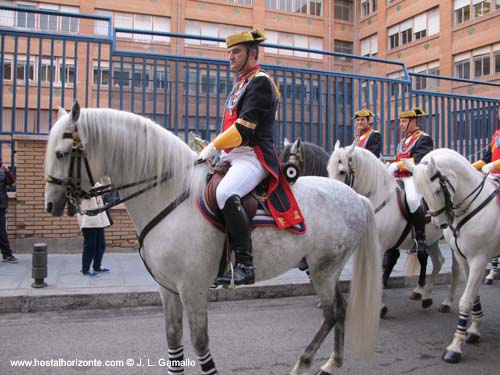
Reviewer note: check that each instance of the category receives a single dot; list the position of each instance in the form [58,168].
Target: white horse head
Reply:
[360,169]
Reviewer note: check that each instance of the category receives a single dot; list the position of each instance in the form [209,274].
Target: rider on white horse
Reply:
[490,164]
[367,137]
[415,144]
[246,142]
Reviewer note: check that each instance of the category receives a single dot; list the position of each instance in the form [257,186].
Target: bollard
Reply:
[39,270]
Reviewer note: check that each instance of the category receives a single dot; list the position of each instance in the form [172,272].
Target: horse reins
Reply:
[448,207]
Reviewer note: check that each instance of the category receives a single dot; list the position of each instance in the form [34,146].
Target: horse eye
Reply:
[59,155]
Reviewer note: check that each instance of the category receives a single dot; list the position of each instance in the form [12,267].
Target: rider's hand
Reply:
[486,168]
[208,152]
[393,167]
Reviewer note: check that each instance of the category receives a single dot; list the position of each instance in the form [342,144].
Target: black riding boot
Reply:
[418,218]
[238,228]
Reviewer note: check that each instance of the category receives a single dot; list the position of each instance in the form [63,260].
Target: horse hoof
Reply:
[471,338]
[416,296]
[383,312]
[488,282]
[426,303]
[451,357]
[444,309]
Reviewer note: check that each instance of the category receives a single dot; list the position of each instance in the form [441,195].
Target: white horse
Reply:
[369,177]
[182,251]
[462,200]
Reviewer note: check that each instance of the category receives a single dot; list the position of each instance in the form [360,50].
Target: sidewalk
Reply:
[128,284]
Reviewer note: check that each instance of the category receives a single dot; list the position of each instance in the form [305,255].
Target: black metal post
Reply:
[39,270]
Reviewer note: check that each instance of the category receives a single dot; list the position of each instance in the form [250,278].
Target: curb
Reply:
[99,299]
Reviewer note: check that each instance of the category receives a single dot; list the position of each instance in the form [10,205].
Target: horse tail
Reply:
[365,298]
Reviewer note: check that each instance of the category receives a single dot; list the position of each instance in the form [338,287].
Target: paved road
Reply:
[257,337]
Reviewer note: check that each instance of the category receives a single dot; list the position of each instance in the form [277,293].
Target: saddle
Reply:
[250,202]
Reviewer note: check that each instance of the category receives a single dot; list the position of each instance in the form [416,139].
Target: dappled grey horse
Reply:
[182,249]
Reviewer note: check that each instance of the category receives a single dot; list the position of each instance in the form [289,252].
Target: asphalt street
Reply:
[258,337]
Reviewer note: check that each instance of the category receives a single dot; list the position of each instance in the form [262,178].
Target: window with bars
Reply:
[25,70]
[7,69]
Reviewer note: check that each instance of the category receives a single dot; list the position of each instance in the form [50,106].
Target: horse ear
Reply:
[286,142]
[295,147]
[337,145]
[75,111]
[61,112]
[350,149]
[409,164]
[431,167]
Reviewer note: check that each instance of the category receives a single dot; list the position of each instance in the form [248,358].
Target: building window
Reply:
[67,72]
[242,2]
[311,7]
[48,21]
[343,10]
[23,69]
[462,11]
[367,7]
[497,4]
[433,83]
[369,46]
[7,70]
[25,19]
[481,8]
[101,75]
[121,78]
[70,24]
[344,47]
[497,62]
[48,73]
[393,37]
[481,66]
[406,36]
[294,40]
[462,69]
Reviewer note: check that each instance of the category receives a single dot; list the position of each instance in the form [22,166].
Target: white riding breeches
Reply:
[245,174]
[413,197]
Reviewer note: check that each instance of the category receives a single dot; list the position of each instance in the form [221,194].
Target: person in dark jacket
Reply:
[366,136]
[415,144]
[7,178]
[246,142]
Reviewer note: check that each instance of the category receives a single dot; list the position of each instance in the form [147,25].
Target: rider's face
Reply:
[407,124]
[237,58]
[361,123]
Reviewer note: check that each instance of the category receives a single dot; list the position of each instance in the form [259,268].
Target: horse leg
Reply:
[488,280]
[453,352]
[333,306]
[392,258]
[455,280]
[473,333]
[196,306]
[419,289]
[336,359]
[437,263]
[172,307]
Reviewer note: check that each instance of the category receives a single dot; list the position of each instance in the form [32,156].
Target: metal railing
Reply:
[143,72]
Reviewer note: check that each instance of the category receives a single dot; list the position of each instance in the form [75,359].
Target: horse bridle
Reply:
[449,207]
[73,183]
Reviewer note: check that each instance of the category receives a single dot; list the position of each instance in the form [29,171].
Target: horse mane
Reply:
[315,159]
[135,145]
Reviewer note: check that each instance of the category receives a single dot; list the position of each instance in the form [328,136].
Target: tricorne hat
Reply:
[364,113]
[414,112]
[254,36]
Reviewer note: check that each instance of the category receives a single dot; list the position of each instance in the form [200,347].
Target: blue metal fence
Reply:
[41,70]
